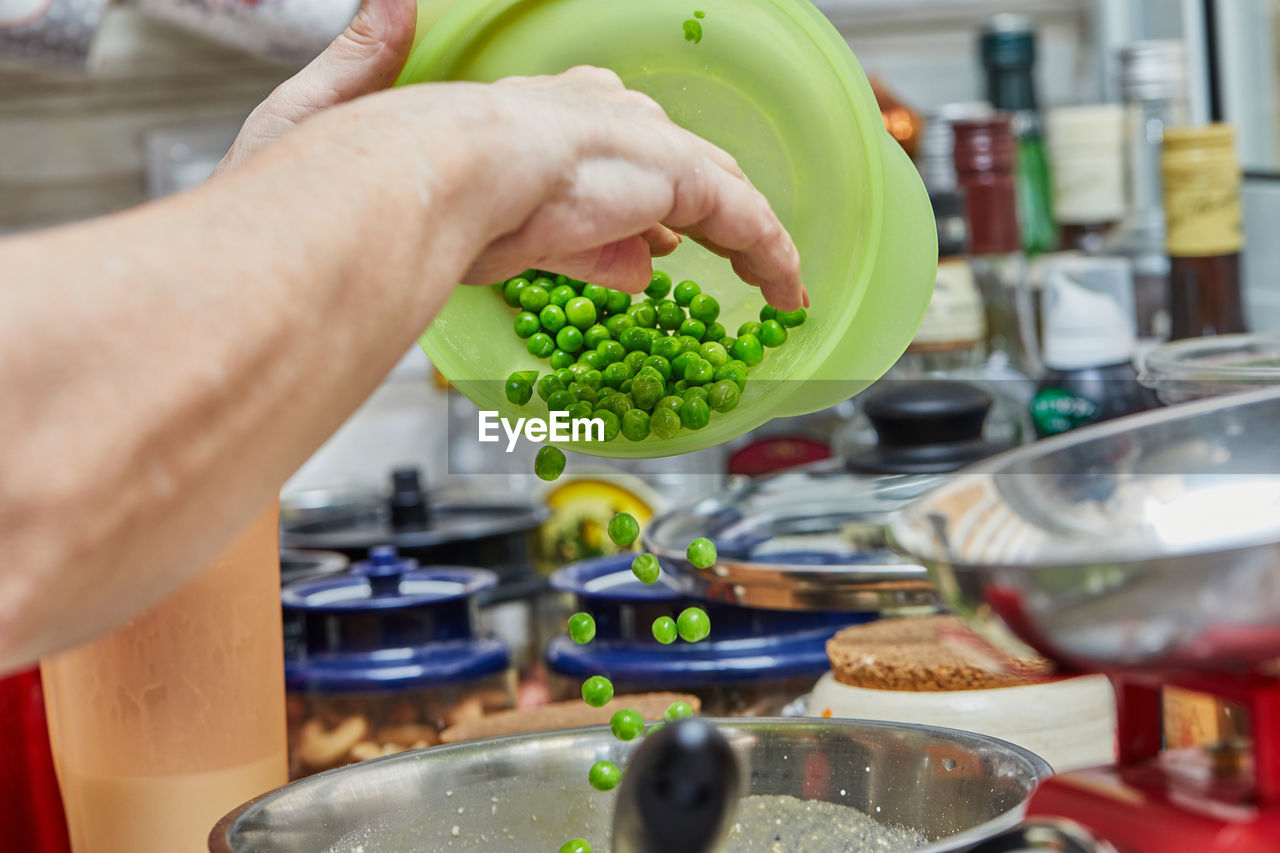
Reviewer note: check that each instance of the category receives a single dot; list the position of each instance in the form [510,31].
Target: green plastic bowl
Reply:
[774,84]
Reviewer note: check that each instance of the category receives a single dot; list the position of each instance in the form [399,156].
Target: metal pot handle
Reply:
[1043,836]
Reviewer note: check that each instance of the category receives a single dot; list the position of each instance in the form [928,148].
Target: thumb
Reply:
[365,58]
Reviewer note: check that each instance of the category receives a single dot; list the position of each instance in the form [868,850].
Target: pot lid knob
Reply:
[384,568]
[408,501]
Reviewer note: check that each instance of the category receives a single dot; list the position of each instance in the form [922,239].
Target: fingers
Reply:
[365,58]
[662,241]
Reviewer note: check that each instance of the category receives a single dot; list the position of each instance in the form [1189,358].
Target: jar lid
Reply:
[389,624]
[1154,70]
[1086,148]
[937,143]
[1088,313]
[1208,367]
[746,644]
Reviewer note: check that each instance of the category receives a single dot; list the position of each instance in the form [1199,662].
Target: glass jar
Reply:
[389,656]
[1210,367]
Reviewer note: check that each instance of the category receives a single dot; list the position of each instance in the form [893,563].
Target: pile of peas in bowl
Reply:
[652,366]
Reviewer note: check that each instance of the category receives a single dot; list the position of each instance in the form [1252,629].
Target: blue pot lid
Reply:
[746,644]
[387,624]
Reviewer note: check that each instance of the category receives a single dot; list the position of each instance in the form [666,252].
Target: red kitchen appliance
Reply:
[27,781]
[1148,549]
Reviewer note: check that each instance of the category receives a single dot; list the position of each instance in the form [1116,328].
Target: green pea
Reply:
[635,360]
[693,328]
[583,393]
[724,395]
[699,371]
[549,463]
[659,364]
[545,280]
[604,776]
[611,351]
[682,361]
[646,569]
[592,378]
[561,294]
[664,422]
[581,410]
[727,342]
[635,339]
[581,312]
[694,413]
[667,347]
[714,353]
[693,624]
[625,387]
[768,313]
[635,425]
[678,388]
[552,318]
[705,308]
[548,385]
[597,691]
[626,724]
[541,345]
[560,359]
[511,290]
[526,324]
[750,327]
[598,295]
[664,630]
[685,291]
[618,302]
[659,285]
[773,333]
[559,278]
[715,332]
[596,335]
[671,402]
[582,628]
[565,375]
[699,391]
[619,323]
[534,298]
[617,373]
[575,845]
[619,404]
[606,391]
[612,423]
[748,350]
[576,372]
[678,711]
[569,339]
[531,274]
[689,343]
[790,319]
[644,315]
[560,401]
[670,316]
[701,553]
[623,529]
[520,387]
[578,286]
[735,371]
[646,391]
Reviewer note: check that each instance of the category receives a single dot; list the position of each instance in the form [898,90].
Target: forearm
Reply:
[190,355]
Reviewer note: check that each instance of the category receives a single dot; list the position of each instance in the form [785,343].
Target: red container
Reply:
[36,823]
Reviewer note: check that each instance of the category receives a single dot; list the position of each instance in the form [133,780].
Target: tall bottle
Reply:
[163,726]
[1205,233]
[1086,149]
[984,160]
[1153,83]
[1008,55]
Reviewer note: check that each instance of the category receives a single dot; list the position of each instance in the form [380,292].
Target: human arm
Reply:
[164,370]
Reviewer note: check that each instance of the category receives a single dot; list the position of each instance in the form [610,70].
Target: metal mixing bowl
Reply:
[1150,542]
[530,792]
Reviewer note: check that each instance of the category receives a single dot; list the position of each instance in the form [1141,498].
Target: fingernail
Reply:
[804,291]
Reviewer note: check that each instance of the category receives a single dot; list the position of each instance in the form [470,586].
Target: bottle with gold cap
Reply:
[1204,233]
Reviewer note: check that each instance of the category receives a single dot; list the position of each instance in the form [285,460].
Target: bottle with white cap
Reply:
[1088,346]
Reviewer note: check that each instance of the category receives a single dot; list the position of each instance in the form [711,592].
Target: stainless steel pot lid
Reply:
[1148,542]
[409,519]
[813,538]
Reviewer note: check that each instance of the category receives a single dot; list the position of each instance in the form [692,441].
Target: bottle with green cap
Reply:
[1008,47]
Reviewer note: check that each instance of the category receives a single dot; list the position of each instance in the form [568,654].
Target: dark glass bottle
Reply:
[1204,231]
[1008,55]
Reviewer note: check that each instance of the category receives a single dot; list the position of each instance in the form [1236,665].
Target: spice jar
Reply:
[389,656]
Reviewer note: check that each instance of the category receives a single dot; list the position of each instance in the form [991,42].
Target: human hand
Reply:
[365,58]
[577,174]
